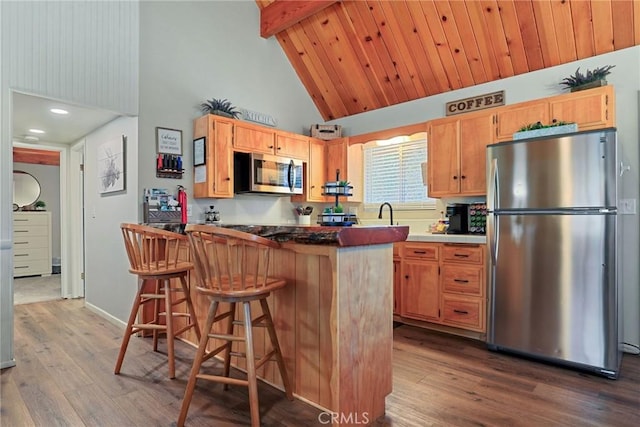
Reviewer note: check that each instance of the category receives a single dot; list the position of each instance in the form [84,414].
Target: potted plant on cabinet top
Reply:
[556,127]
[40,205]
[588,80]
[220,107]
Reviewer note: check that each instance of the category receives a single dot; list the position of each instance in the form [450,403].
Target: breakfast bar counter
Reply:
[334,317]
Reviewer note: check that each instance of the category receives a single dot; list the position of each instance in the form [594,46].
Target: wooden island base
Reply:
[334,324]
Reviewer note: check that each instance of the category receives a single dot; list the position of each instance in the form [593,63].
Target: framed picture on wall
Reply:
[111,166]
[169,141]
[199,151]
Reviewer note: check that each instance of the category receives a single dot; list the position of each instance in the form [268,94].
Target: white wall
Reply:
[539,84]
[195,51]
[80,52]
[109,287]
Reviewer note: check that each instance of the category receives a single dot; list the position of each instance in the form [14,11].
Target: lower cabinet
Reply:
[442,283]
[31,244]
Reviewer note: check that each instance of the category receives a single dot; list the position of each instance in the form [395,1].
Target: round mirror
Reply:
[26,188]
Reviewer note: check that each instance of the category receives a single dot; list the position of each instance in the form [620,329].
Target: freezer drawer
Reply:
[553,288]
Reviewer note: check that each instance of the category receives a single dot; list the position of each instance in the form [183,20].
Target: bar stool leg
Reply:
[156,314]
[227,352]
[168,309]
[197,363]
[251,367]
[129,331]
[276,347]
[193,319]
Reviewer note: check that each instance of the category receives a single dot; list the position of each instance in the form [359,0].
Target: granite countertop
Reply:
[327,235]
[447,238]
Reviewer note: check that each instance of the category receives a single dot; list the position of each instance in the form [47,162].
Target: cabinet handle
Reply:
[23,220]
[455,177]
[461,255]
[406,276]
[419,252]
[20,266]
[21,255]
[278,148]
[20,231]
[460,281]
[460,311]
[20,243]
[270,146]
[463,177]
[227,179]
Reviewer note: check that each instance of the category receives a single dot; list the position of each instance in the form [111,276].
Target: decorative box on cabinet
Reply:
[31,243]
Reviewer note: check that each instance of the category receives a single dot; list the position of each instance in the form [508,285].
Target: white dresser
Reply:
[31,243]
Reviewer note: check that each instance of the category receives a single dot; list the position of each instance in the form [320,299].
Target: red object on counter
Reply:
[159,164]
[182,200]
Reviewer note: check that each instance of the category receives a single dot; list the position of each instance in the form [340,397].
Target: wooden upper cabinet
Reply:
[512,118]
[252,138]
[215,177]
[314,173]
[476,132]
[292,145]
[456,155]
[590,109]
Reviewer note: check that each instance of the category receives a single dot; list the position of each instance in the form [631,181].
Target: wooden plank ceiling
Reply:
[357,56]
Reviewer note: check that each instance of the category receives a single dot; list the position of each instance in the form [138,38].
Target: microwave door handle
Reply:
[290,175]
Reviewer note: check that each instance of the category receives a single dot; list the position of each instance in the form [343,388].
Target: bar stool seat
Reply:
[232,267]
[155,256]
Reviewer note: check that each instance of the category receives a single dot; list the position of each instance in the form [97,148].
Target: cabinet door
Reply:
[316,172]
[336,150]
[397,283]
[442,159]
[420,290]
[292,145]
[475,134]
[223,170]
[590,109]
[253,139]
[511,119]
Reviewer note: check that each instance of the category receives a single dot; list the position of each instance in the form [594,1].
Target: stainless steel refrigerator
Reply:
[553,233]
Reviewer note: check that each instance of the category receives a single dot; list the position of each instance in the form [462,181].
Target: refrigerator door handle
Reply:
[492,199]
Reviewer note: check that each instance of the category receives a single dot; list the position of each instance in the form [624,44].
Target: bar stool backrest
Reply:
[229,261]
[152,250]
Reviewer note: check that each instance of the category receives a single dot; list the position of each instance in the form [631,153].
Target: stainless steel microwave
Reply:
[267,174]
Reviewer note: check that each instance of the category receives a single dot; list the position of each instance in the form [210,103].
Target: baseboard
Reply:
[100,312]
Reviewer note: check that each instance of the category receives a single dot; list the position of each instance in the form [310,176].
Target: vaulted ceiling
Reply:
[357,56]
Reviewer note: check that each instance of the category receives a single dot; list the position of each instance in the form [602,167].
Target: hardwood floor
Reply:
[64,377]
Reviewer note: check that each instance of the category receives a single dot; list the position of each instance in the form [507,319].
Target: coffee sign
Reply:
[475,103]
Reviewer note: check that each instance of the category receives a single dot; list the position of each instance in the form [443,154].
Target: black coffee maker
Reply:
[458,214]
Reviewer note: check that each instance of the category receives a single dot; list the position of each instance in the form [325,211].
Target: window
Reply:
[393,173]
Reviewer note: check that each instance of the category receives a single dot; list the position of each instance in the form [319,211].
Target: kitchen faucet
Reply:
[390,212]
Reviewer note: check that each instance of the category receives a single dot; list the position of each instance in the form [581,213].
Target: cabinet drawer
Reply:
[463,279]
[30,254]
[421,251]
[30,268]
[29,219]
[27,240]
[35,230]
[463,312]
[462,253]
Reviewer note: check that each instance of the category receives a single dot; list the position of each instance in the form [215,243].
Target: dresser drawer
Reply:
[32,230]
[29,219]
[30,268]
[471,254]
[463,279]
[28,241]
[463,312]
[420,250]
[30,254]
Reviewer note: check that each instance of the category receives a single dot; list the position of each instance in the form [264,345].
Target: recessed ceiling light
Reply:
[59,111]
[31,138]
[36,131]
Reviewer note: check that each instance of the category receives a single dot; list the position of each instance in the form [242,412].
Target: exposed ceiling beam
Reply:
[282,14]
[39,157]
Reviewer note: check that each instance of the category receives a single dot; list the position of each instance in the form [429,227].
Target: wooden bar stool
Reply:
[154,256]
[232,267]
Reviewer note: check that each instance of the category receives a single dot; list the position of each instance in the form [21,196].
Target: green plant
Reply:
[579,78]
[539,125]
[343,183]
[215,106]
[40,204]
[338,208]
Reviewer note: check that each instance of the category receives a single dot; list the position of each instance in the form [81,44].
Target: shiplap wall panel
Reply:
[83,52]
